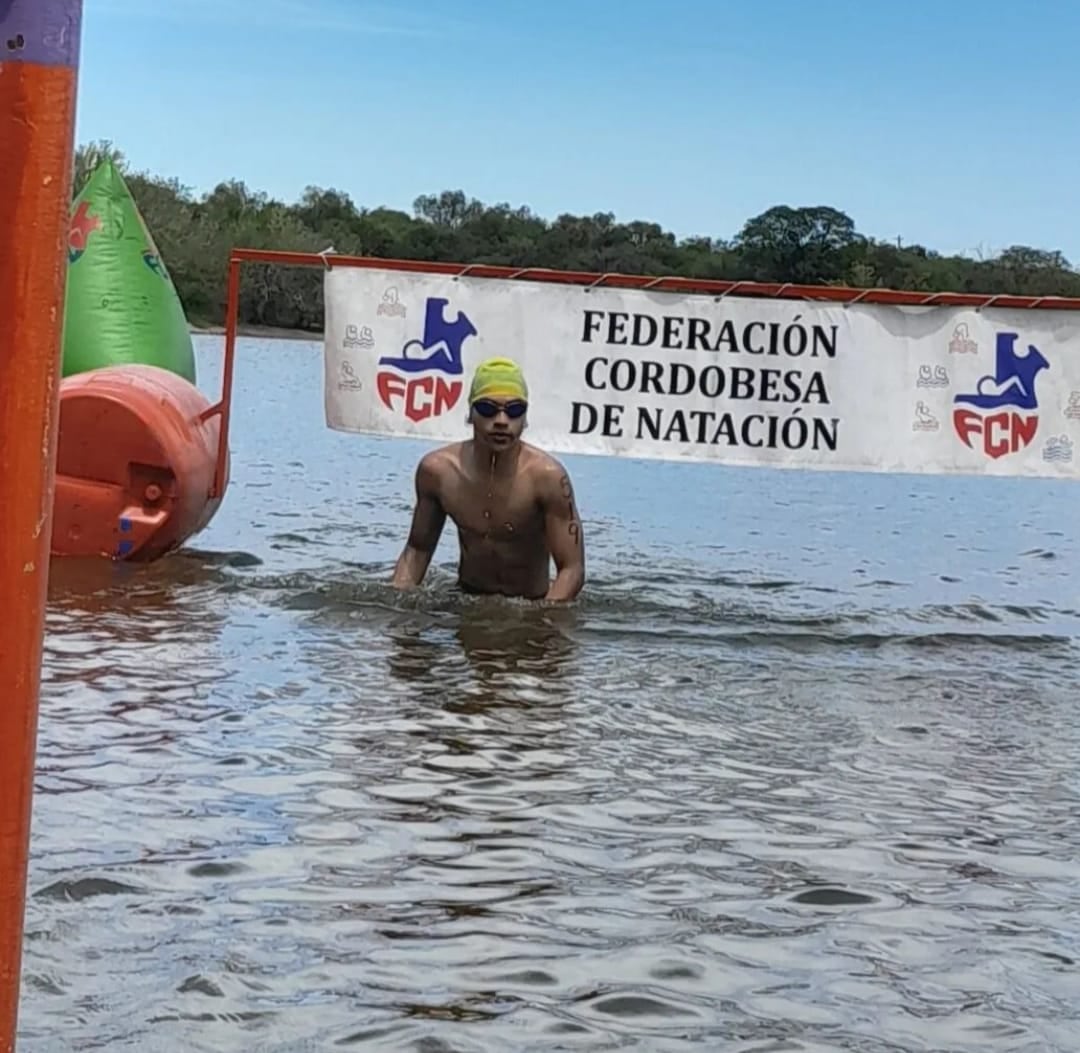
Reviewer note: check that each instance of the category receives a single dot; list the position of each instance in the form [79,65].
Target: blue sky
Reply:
[952,123]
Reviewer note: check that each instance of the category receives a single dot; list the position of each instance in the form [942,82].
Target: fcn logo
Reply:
[1001,415]
[424,381]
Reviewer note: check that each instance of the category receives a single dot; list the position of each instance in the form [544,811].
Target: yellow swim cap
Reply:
[498,378]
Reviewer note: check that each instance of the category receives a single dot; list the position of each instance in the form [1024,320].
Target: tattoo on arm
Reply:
[573,525]
[566,536]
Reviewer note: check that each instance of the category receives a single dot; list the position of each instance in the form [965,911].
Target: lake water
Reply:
[800,772]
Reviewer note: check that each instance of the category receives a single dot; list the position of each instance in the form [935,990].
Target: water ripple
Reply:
[747,795]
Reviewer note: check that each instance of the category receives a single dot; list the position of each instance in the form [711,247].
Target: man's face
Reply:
[498,423]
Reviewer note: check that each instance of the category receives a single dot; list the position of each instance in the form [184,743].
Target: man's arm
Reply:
[565,536]
[426,529]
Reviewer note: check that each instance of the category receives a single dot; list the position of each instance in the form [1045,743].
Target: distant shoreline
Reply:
[262,332]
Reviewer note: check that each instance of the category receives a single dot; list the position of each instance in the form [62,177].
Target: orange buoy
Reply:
[135,463]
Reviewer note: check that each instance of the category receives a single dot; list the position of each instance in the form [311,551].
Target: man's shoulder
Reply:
[547,470]
[542,461]
[436,464]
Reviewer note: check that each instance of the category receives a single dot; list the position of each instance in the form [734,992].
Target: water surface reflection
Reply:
[798,773]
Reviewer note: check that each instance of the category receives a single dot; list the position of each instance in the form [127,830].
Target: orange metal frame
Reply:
[838,294]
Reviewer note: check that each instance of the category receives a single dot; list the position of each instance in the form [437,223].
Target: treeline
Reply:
[816,244]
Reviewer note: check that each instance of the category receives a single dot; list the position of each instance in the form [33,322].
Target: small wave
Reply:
[680,607]
[809,640]
[678,604]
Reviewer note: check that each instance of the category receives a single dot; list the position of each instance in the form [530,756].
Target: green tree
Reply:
[809,245]
[785,243]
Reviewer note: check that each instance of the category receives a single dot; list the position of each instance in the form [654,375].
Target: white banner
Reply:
[735,381]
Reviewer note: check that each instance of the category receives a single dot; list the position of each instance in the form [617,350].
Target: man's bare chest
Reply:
[495,512]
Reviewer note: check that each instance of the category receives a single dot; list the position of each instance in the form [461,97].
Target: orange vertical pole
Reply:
[232,312]
[39,59]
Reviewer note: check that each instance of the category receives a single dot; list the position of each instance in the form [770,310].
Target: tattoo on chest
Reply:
[574,527]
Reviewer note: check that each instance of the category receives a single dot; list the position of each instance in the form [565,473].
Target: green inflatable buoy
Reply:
[121,306]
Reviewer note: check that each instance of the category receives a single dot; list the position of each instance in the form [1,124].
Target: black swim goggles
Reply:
[488,408]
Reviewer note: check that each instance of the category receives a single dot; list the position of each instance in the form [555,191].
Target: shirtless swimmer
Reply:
[513,504]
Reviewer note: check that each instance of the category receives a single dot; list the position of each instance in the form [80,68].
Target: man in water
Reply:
[513,504]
